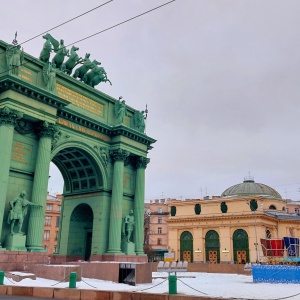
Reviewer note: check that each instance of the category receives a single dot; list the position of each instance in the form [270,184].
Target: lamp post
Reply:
[256,244]
[253,206]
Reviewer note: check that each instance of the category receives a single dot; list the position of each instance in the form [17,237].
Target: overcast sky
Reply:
[221,79]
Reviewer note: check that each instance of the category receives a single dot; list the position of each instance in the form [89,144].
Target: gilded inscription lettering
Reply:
[20,152]
[25,74]
[80,100]
[83,129]
[126,178]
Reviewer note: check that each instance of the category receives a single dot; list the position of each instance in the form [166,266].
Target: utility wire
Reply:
[144,13]
[65,22]
[111,27]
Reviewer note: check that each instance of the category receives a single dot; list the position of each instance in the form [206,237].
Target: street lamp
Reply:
[253,206]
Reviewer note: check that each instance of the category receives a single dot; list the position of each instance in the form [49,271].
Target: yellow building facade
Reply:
[232,227]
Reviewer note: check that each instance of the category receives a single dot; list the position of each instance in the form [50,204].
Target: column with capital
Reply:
[8,119]
[115,222]
[39,190]
[139,195]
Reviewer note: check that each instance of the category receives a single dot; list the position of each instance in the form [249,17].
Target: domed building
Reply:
[247,223]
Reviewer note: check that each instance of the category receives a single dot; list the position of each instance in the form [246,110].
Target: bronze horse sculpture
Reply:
[72,61]
[86,66]
[60,55]
[47,47]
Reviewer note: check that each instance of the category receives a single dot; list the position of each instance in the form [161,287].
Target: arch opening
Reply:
[80,232]
[79,170]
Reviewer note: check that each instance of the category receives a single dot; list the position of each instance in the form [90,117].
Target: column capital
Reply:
[46,129]
[142,162]
[119,154]
[9,116]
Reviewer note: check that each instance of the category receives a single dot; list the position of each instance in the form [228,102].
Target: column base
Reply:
[115,252]
[36,249]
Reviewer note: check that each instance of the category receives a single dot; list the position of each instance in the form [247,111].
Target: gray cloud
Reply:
[221,80]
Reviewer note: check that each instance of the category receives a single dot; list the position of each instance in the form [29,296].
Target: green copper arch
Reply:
[80,166]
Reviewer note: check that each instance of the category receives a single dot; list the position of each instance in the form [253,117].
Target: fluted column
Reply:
[138,209]
[8,119]
[39,190]
[115,222]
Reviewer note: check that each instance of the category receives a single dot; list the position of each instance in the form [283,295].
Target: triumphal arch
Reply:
[51,111]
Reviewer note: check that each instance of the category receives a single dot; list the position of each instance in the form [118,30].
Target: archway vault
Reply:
[79,168]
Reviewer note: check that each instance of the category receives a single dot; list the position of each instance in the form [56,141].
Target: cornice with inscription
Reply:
[83,120]
[110,131]
[20,86]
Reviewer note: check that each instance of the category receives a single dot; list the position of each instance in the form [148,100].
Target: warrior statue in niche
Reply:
[19,208]
[128,226]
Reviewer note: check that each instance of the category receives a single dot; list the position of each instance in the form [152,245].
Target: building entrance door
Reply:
[241,257]
[213,257]
[186,256]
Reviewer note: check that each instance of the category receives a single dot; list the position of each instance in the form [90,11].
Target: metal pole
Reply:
[255,236]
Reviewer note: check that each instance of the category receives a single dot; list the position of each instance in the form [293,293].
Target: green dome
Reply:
[250,188]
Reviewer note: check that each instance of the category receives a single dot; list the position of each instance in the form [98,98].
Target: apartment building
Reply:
[51,225]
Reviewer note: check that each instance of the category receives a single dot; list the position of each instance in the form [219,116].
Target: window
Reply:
[159,210]
[288,210]
[158,241]
[272,207]
[46,247]
[46,235]
[291,230]
[58,208]
[297,210]
[47,221]
[57,221]
[159,220]
[56,236]
[49,207]
[55,249]
[159,230]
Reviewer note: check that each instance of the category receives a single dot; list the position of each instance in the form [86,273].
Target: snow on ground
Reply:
[197,284]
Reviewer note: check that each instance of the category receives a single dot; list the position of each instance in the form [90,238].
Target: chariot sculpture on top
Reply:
[89,71]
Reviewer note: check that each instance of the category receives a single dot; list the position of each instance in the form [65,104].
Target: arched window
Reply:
[268,234]
[272,207]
